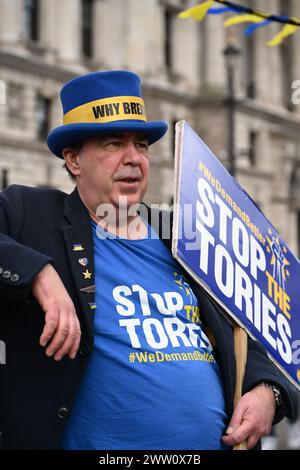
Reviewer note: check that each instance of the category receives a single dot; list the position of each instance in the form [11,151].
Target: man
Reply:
[103,351]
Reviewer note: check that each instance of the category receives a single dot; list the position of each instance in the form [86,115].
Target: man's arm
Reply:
[62,330]
[256,411]
[252,418]
[25,271]
[19,264]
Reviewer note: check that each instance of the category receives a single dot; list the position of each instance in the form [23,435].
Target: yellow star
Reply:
[87,274]
[268,249]
[287,273]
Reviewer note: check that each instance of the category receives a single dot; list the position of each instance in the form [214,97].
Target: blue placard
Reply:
[235,253]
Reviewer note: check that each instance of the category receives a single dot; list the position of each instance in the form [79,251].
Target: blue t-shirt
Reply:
[152,381]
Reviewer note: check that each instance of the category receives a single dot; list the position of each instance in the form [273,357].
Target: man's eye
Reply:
[113,145]
[143,146]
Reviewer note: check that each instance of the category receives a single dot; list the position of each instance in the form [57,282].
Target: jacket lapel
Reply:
[79,246]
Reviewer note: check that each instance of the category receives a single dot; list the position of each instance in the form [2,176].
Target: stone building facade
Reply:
[44,43]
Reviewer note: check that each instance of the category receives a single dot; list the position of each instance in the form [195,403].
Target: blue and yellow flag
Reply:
[198,12]
[244,14]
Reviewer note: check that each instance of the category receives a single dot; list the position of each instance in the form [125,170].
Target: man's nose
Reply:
[131,154]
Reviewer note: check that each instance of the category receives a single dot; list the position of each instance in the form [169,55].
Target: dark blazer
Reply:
[40,226]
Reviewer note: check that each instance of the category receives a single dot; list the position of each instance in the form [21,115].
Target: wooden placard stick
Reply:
[240,349]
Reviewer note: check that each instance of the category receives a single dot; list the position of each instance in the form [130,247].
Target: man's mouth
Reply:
[128,180]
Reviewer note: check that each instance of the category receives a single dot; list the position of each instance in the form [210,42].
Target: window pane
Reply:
[285,49]
[42,116]
[30,19]
[87,30]
[168,38]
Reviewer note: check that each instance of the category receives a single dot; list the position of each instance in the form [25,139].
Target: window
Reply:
[252,147]
[4,178]
[249,59]
[250,67]
[168,52]
[286,60]
[87,28]
[31,19]
[15,96]
[42,117]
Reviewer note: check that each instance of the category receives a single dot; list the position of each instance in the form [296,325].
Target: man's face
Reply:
[111,167]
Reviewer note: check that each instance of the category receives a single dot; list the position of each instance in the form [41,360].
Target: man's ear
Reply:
[71,159]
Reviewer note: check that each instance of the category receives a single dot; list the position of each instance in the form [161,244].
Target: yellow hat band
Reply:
[117,108]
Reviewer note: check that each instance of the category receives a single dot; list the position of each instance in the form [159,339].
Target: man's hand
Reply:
[62,326]
[252,417]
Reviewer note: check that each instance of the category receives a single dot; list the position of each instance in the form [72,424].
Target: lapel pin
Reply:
[77,247]
[89,289]
[87,274]
[83,261]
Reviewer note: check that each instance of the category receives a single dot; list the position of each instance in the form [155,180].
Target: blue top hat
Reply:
[100,103]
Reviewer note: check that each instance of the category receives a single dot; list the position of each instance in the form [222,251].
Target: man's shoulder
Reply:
[26,199]
[16,191]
